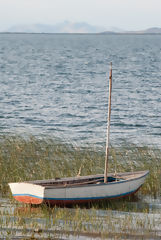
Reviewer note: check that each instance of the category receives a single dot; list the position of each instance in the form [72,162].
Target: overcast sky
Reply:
[124,14]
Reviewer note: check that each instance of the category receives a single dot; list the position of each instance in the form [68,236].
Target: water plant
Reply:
[45,223]
[31,158]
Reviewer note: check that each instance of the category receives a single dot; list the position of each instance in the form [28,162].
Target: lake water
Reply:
[57,85]
[22,222]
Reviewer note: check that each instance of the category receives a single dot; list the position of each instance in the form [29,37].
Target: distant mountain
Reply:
[154,30]
[147,31]
[65,27]
[80,27]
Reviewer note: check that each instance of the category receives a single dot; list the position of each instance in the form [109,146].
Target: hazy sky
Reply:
[125,14]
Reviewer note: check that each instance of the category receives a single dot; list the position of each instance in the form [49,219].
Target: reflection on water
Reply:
[143,217]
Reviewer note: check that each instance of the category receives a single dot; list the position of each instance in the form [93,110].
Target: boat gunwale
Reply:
[98,185]
[60,180]
[79,184]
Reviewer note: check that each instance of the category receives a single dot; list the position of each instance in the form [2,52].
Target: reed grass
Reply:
[48,223]
[31,158]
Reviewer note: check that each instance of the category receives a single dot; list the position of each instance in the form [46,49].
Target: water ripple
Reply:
[57,85]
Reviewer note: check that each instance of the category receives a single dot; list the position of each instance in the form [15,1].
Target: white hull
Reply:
[77,190]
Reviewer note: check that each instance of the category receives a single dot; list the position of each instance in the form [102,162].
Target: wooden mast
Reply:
[108,125]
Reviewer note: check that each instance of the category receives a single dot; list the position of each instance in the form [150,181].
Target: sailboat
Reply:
[81,189]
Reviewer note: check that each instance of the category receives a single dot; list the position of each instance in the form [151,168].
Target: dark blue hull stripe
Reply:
[27,195]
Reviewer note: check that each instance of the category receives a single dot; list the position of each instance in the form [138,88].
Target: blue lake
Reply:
[57,85]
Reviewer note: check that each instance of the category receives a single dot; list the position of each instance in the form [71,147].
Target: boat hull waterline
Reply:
[77,190]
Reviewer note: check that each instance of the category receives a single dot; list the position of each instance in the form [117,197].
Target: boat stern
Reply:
[27,192]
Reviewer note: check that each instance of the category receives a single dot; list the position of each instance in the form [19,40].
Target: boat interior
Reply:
[88,180]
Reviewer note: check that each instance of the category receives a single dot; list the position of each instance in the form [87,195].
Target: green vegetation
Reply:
[45,223]
[32,158]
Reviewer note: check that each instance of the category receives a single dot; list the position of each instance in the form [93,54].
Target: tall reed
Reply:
[31,158]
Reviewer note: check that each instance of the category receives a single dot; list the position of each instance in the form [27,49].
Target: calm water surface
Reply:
[57,85]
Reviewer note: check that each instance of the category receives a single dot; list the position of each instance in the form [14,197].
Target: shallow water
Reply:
[19,221]
[56,85]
